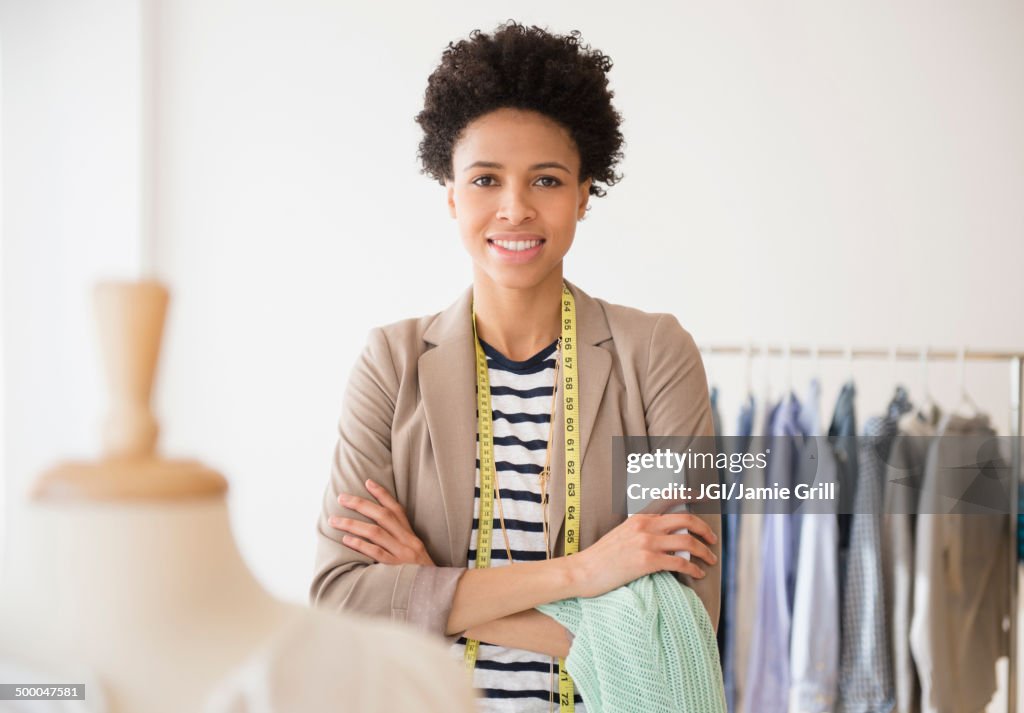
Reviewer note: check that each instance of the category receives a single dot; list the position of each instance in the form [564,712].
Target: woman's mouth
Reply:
[515,251]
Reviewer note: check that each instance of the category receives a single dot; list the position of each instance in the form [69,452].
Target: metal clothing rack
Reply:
[924,355]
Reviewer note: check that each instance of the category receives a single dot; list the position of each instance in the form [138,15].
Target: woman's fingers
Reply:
[641,545]
[694,523]
[682,565]
[688,543]
[388,502]
[376,542]
[375,512]
[390,533]
[368,531]
[369,549]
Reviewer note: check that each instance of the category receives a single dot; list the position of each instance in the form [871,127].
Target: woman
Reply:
[520,129]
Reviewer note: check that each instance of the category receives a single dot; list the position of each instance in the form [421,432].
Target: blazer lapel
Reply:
[447,377]
[594,368]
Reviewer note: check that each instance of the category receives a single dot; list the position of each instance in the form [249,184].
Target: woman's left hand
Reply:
[391,540]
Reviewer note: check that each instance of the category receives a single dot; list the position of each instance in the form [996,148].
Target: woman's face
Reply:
[516,195]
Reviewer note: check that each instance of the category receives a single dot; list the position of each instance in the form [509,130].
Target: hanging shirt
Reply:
[521,394]
[767,684]
[904,478]
[961,576]
[727,534]
[748,574]
[865,666]
[730,563]
[842,432]
[814,641]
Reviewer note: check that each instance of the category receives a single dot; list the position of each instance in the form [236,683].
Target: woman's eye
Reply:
[544,181]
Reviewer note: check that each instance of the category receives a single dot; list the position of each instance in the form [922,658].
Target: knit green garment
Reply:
[647,646]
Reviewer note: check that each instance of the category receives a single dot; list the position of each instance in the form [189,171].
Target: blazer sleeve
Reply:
[342,577]
[676,403]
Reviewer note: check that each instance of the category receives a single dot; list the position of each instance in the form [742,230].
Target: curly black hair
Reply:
[523,68]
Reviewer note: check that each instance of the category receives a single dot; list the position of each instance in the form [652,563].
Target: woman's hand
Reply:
[642,545]
[391,540]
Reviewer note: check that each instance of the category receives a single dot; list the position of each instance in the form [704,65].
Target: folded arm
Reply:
[496,605]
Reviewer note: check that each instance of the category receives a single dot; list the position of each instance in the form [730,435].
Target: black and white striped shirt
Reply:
[513,680]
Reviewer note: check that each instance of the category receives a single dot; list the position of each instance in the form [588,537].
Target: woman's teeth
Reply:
[517,245]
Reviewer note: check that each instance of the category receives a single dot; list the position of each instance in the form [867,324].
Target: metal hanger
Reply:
[748,357]
[927,404]
[788,356]
[965,398]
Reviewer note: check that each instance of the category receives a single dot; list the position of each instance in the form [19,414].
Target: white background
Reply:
[803,171]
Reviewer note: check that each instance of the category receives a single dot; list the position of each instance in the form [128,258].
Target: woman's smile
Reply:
[515,248]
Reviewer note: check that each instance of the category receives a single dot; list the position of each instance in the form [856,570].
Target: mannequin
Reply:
[127,566]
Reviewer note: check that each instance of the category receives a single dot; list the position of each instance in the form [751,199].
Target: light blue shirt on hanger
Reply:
[767,684]
[814,641]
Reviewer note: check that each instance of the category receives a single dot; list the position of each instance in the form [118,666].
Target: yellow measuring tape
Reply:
[571,411]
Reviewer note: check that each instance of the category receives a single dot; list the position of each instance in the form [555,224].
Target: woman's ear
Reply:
[450,190]
[584,198]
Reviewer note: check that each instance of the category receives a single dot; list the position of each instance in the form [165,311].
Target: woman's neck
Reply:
[518,322]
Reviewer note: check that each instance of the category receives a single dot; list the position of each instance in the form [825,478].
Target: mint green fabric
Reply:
[647,646]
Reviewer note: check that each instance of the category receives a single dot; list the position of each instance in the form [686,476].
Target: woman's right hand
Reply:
[641,545]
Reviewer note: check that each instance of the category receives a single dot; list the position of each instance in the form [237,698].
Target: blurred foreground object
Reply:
[125,574]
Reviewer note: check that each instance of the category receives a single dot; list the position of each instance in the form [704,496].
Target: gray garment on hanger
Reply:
[903,478]
[961,572]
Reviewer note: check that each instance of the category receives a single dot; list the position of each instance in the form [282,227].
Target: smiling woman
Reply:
[473,451]
[517,197]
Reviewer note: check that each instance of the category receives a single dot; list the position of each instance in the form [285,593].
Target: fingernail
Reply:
[343,498]
[370,484]
[703,574]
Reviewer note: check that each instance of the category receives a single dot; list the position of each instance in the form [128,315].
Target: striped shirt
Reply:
[513,680]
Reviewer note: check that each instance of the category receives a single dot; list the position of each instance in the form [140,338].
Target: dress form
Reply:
[126,565]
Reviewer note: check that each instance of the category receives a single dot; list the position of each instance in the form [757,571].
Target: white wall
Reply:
[71,197]
[840,173]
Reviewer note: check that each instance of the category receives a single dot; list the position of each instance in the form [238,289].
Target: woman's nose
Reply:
[515,206]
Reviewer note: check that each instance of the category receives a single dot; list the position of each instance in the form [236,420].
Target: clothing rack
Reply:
[924,355]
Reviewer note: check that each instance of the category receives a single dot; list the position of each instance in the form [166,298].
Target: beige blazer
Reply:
[408,421]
